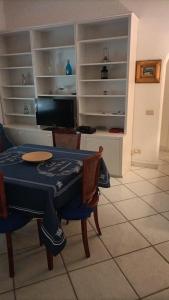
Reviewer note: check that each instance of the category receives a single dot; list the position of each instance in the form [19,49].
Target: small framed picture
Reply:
[148,71]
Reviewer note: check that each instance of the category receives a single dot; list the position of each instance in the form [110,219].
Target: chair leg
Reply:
[84,237]
[49,259]
[97,221]
[39,223]
[10,254]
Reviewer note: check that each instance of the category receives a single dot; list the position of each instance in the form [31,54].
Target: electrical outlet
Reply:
[150,112]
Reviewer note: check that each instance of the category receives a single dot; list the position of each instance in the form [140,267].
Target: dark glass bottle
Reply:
[104,73]
[68,68]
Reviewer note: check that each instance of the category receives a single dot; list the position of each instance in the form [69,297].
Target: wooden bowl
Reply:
[37,156]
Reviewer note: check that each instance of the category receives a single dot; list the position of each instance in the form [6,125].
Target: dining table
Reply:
[40,188]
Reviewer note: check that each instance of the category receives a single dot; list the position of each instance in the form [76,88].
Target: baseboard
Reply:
[151,165]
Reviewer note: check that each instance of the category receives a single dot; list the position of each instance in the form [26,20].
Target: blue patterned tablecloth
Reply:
[40,189]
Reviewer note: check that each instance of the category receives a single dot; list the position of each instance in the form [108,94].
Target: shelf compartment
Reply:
[17,108]
[14,77]
[15,92]
[54,62]
[103,29]
[94,52]
[93,73]
[99,121]
[53,37]
[56,85]
[19,60]
[112,87]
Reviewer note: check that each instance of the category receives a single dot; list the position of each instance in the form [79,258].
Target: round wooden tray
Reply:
[37,156]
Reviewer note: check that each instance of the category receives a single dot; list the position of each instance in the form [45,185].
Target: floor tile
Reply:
[134,208]
[163,249]
[154,228]
[31,266]
[7,296]
[122,238]
[117,193]
[164,295]
[161,182]
[102,281]
[74,255]
[73,228]
[164,169]
[114,181]
[160,201]
[130,177]
[149,173]
[57,288]
[166,214]
[102,200]
[6,283]
[142,188]
[2,244]
[108,215]
[147,271]
[26,237]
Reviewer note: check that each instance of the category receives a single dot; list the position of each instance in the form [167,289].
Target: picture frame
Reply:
[148,71]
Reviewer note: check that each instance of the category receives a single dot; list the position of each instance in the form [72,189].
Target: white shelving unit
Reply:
[15,64]
[40,56]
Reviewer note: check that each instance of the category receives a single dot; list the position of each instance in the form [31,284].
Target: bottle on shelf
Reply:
[68,68]
[104,73]
[26,109]
[23,79]
[105,54]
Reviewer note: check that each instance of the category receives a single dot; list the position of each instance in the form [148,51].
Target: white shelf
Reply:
[102,96]
[18,98]
[22,126]
[104,39]
[15,54]
[102,80]
[55,95]
[18,86]
[56,76]
[103,63]
[16,68]
[53,48]
[20,115]
[102,114]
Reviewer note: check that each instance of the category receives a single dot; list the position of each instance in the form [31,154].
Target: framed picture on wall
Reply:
[148,71]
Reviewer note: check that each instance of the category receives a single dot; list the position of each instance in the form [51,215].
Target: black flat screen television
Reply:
[56,112]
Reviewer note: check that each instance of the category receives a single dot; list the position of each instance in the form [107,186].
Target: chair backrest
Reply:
[4,141]
[67,139]
[91,168]
[3,203]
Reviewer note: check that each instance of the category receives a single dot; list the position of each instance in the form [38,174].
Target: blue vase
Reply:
[68,68]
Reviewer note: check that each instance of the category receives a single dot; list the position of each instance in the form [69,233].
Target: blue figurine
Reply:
[68,68]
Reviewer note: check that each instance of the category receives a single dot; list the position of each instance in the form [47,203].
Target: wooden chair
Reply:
[9,222]
[81,208]
[66,138]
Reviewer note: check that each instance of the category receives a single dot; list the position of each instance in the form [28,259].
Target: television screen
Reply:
[56,112]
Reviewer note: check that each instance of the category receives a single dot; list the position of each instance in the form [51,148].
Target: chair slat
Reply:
[3,203]
[66,139]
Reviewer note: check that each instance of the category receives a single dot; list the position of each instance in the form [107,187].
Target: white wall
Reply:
[153,43]
[164,142]
[2,16]
[38,12]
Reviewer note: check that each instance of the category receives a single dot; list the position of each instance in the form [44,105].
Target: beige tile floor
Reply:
[129,261]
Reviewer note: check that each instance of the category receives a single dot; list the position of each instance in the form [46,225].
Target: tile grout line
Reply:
[69,277]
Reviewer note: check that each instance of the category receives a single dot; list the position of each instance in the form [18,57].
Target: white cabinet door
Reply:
[30,136]
[112,151]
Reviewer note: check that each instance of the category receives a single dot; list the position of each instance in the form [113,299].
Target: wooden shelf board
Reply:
[95,80]
[20,115]
[103,63]
[15,54]
[103,39]
[53,48]
[16,68]
[102,96]
[55,76]
[17,86]
[102,114]
[55,95]
[18,98]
